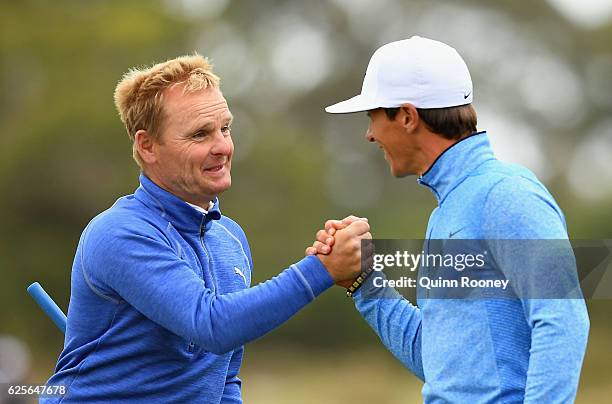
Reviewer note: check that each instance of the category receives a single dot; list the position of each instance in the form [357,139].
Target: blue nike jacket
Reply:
[486,350]
[160,304]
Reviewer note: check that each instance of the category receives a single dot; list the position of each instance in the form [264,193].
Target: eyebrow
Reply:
[208,127]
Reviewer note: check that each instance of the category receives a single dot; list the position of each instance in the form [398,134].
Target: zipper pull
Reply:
[202,226]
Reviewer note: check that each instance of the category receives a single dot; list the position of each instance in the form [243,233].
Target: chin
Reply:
[402,175]
[223,185]
[397,172]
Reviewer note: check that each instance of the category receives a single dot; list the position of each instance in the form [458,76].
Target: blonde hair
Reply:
[140,93]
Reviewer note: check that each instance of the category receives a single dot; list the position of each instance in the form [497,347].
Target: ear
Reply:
[145,146]
[409,116]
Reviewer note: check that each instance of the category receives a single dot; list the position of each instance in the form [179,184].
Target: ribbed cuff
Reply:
[315,274]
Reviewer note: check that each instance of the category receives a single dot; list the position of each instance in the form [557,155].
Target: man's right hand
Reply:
[324,239]
[344,262]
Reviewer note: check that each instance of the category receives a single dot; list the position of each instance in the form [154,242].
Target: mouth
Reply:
[216,169]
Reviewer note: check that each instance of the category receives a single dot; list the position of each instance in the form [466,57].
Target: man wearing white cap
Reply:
[418,94]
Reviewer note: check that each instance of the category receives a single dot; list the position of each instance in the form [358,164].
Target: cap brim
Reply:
[356,104]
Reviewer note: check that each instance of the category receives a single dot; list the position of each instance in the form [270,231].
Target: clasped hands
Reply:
[338,246]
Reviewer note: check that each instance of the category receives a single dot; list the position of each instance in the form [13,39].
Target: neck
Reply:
[433,145]
[202,201]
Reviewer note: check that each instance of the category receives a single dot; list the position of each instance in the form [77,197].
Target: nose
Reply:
[223,145]
[369,135]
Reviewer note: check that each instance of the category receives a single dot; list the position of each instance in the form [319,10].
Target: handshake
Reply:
[339,248]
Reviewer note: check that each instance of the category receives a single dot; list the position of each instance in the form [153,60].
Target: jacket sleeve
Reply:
[396,321]
[542,270]
[143,269]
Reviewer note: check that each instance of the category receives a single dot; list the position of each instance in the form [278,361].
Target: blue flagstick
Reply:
[48,305]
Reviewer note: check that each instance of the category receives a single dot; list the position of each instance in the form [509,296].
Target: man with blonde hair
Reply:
[160,304]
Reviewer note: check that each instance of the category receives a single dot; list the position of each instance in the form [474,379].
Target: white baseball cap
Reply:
[420,71]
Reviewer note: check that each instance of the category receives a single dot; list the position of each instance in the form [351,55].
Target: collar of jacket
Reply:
[456,163]
[174,209]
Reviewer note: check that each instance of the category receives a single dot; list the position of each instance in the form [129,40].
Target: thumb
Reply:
[332,225]
[352,218]
[358,228]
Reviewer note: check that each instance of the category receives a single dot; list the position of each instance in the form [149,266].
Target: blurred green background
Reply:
[541,73]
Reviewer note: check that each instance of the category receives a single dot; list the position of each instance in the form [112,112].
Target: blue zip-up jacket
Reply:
[160,304]
[486,350]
